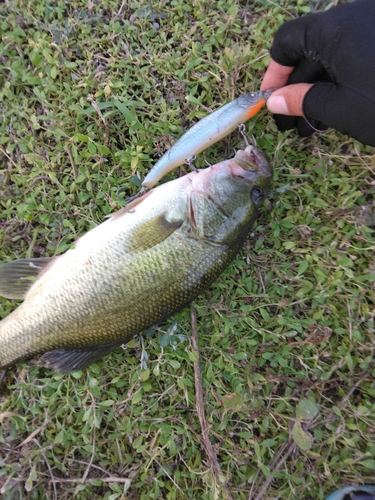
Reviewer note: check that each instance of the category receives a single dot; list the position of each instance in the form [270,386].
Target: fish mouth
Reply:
[250,165]
[258,160]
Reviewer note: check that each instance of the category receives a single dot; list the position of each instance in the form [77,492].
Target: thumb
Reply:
[289,100]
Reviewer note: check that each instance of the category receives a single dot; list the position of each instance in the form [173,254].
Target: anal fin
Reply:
[67,359]
[16,277]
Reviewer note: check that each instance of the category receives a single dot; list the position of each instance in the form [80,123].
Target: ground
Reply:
[92,93]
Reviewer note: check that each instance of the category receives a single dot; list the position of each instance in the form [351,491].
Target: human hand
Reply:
[325,66]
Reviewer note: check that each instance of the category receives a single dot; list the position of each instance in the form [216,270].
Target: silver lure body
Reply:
[206,132]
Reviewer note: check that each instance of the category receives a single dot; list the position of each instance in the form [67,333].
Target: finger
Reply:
[307,71]
[276,76]
[289,100]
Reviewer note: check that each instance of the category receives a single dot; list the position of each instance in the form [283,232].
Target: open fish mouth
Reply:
[258,160]
[250,164]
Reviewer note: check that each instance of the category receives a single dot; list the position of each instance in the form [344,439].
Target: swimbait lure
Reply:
[206,132]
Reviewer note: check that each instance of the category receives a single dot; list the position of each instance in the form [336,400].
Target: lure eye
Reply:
[257,195]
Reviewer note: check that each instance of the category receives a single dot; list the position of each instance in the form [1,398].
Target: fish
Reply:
[147,261]
[206,132]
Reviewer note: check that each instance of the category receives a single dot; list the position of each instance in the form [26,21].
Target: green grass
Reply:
[286,335]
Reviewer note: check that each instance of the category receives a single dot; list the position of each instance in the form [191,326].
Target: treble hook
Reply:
[189,162]
[242,130]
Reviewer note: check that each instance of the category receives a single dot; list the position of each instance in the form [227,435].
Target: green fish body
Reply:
[139,267]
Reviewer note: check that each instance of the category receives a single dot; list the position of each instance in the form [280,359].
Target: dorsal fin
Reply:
[129,207]
[16,277]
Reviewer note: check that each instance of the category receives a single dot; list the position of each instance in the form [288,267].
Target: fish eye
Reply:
[256,194]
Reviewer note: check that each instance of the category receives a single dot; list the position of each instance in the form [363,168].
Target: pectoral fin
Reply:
[17,277]
[151,232]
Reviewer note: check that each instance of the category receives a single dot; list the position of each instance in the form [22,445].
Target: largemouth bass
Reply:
[206,132]
[139,267]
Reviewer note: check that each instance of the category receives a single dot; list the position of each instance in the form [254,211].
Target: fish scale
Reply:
[136,269]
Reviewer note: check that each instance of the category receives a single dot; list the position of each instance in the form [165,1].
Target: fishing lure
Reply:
[206,132]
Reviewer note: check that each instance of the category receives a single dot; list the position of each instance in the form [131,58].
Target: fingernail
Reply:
[277,104]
